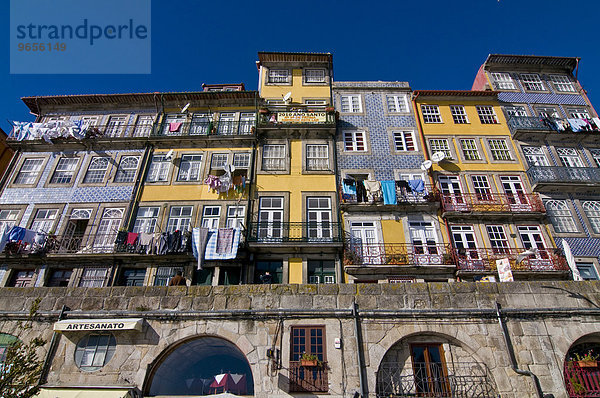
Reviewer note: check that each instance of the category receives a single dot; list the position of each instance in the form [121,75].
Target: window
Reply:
[431,114]
[319,219]
[270,217]
[503,81]
[29,171]
[351,103]
[482,189]
[317,157]
[440,145]
[274,268]
[535,156]
[404,140]
[159,169]
[211,216]
[65,170]
[218,161]
[315,102]
[596,156]
[397,103]
[174,124]
[60,278]
[90,120]
[180,218]
[579,113]
[6,340]
[562,84]
[115,126]
[201,123]
[279,76]
[498,239]
[499,149]
[235,216]
[459,114]
[133,277]
[189,168]
[560,216]
[44,220]
[532,82]
[487,115]
[569,157]
[321,271]
[247,123]
[309,340]
[108,229]
[94,351]
[146,219]
[96,170]
[8,219]
[22,278]
[241,160]
[164,274]
[430,373]
[587,271]
[354,140]
[517,110]
[143,127]
[227,124]
[469,148]
[592,212]
[273,157]
[314,75]
[127,169]
[93,277]
[547,111]
[423,237]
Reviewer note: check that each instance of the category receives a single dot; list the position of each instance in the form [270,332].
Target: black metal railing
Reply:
[283,232]
[66,129]
[542,124]
[559,174]
[205,128]
[457,379]
[404,196]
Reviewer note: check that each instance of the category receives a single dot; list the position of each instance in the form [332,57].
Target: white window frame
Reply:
[274,157]
[115,126]
[515,110]
[29,172]
[317,157]
[44,220]
[404,141]
[190,167]
[96,171]
[562,84]
[397,103]
[278,76]
[481,187]
[487,114]
[535,156]
[241,160]
[560,216]
[503,81]
[441,145]
[591,208]
[126,172]
[178,220]
[93,277]
[469,149]
[500,149]
[431,113]
[532,82]
[64,173]
[459,114]
[315,75]
[211,217]
[236,216]
[146,219]
[8,218]
[595,152]
[218,161]
[578,113]
[570,157]
[350,103]
[497,238]
[355,141]
[143,126]
[159,169]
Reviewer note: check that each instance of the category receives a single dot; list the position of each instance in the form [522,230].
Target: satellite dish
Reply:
[426,165]
[287,97]
[438,156]
[185,108]
[529,252]
[169,155]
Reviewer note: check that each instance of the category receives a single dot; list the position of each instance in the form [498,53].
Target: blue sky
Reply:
[435,44]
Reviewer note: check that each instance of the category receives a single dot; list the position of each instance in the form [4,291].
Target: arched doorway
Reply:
[432,365]
[201,366]
[582,371]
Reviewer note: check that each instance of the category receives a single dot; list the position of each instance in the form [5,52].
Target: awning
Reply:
[77,325]
[85,393]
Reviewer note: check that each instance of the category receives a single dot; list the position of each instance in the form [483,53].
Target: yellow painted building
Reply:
[488,210]
[295,234]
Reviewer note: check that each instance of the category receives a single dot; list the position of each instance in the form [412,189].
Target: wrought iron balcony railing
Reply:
[400,254]
[308,378]
[484,259]
[283,232]
[404,196]
[557,174]
[582,382]
[457,379]
[71,130]
[525,124]
[492,202]
[205,128]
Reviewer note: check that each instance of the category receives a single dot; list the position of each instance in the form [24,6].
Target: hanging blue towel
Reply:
[417,185]
[16,233]
[389,192]
[349,188]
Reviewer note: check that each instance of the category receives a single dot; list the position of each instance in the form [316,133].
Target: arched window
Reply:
[94,351]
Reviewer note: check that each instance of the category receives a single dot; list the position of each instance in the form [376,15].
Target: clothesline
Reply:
[387,191]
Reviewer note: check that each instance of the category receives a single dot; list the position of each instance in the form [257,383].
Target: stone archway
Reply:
[582,367]
[202,365]
[432,365]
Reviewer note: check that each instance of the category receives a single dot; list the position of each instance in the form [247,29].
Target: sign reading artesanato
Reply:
[76,325]
[302,117]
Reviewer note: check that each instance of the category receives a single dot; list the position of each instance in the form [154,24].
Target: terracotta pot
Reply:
[308,362]
[587,364]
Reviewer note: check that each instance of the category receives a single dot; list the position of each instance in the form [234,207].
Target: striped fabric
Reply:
[211,247]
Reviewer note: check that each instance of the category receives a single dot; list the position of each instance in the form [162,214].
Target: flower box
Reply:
[309,362]
[587,364]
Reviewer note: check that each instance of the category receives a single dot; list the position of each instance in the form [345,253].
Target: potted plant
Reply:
[329,109]
[587,360]
[309,360]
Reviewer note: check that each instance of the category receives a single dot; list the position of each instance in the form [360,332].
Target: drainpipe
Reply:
[51,349]
[511,355]
[359,353]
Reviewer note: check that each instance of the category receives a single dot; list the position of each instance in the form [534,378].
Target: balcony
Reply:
[403,198]
[284,116]
[527,125]
[582,382]
[205,129]
[76,130]
[484,260]
[397,254]
[540,176]
[456,379]
[492,203]
[308,379]
[283,233]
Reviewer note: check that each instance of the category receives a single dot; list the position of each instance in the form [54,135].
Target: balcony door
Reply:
[72,240]
[515,194]
[429,367]
[423,237]
[108,229]
[465,244]
[270,218]
[226,124]
[319,219]
[365,242]
[531,236]
[450,187]
[535,156]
